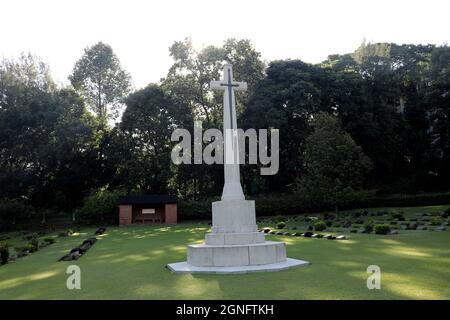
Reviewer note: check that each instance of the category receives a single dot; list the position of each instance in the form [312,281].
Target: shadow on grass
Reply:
[129,263]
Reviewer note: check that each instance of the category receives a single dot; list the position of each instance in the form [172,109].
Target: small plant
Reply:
[398,215]
[353,231]
[382,229]
[320,225]
[368,226]
[50,240]
[436,221]
[34,244]
[4,253]
[328,223]
[281,225]
[446,213]
[23,250]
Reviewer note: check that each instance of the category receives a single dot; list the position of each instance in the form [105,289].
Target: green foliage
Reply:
[369,225]
[13,211]
[281,225]
[398,215]
[100,79]
[4,253]
[387,101]
[320,225]
[335,165]
[34,245]
[436,221]
[102,205]
[23,249]
[50,240]
[382,229]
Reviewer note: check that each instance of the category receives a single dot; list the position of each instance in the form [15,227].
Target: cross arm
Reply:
[240,86]
[216,85]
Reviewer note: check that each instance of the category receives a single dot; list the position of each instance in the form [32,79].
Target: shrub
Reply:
[281,225]
[446,213]
[368,226]
[353,231]
[12,211]
[22,249]
[382,229]
[436,221]
[50,240]
[320,225]
[398,215]
[4,253]
[328,223]
[34,245]
[100,206]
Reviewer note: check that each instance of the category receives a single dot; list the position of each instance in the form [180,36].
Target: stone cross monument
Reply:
[232,189]
[234,244]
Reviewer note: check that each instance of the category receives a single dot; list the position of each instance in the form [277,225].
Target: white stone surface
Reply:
[233,216]
[184,267]
[234,245]
[232,189]
[236,255]
[234,238]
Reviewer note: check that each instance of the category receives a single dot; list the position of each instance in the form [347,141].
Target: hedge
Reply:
[290,204]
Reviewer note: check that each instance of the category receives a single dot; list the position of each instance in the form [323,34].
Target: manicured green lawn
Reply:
[129,263]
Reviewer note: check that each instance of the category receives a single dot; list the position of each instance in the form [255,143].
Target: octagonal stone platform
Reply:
[184,267]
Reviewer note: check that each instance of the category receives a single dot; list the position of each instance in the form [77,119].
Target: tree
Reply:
[334,165]
[100,79]
[285,100]
[187,82]
[189,77]
[47,138]
[141,146]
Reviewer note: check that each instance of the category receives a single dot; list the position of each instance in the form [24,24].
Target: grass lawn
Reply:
[129,263]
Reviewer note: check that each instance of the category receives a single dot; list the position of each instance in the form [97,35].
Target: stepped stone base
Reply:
[234,245]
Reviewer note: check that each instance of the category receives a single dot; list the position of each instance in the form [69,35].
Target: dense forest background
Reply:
[356,126]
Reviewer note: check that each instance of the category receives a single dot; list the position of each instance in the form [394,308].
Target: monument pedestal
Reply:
[234,245]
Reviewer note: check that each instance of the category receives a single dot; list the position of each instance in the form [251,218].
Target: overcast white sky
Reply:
[141,31]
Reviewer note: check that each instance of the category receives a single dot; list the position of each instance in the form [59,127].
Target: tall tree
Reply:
[100,79]
[335,165]
[141,146]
